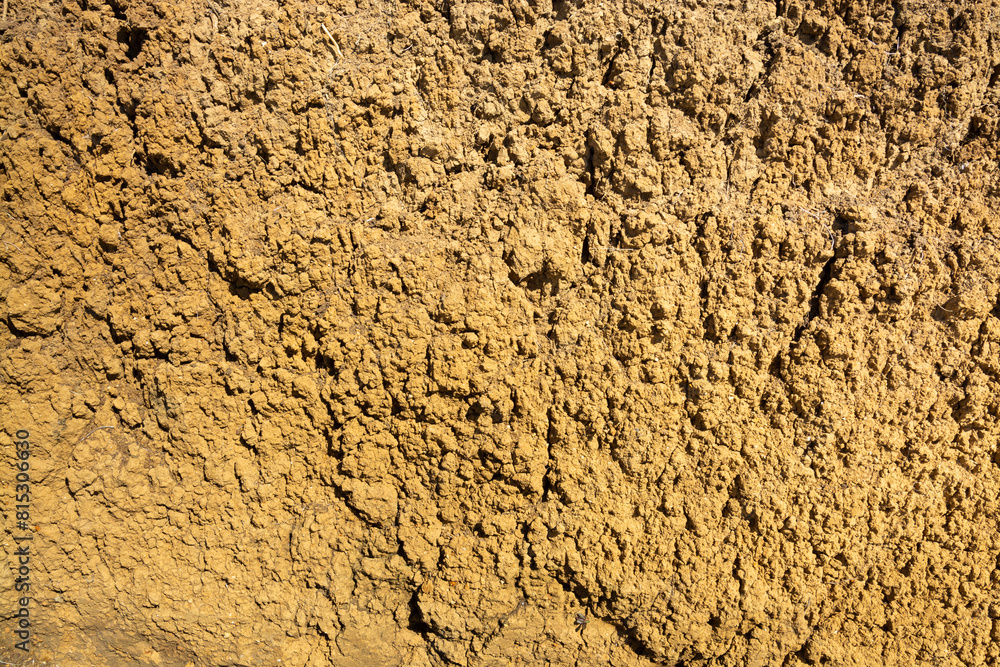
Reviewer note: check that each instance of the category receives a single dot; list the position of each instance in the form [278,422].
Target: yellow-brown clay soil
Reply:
[402,333]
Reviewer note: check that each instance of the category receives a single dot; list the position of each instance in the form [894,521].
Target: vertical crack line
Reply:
[550,437]
[589,167]
[824,279]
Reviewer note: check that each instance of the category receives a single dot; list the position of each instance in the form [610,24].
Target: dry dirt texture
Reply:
[401,333]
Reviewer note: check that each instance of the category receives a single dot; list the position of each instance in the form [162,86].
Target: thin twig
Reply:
[92,433]
[336,47]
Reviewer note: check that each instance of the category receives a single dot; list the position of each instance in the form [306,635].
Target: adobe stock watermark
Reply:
[22,553]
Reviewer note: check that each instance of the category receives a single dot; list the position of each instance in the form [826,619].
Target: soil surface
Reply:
[523,332]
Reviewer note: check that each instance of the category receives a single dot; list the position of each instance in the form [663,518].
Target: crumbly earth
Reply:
[383,332]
